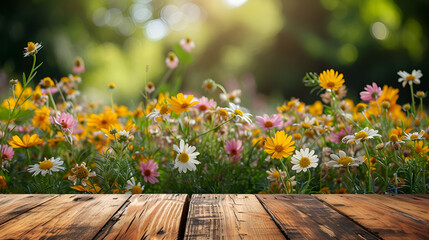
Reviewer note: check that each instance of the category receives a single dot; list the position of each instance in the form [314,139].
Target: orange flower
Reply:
[26,141]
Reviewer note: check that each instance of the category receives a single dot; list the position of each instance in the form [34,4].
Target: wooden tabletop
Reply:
[217,216]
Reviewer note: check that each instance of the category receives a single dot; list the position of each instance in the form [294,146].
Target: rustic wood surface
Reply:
[378,216]
[303,217]
[155,216]
[229,216]
[219,216]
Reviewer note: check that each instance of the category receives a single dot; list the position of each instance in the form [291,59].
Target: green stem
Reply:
[309,179]
[288,177]
[52,100]
[413,110]
[369,168]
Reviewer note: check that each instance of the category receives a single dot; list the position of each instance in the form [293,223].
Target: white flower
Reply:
[134,188]
[414,77]
[342,160]
[304,159]
[239,112]
[47,166]
[275,175]
[361,136]
[32,48]
[186,157]
[414,136]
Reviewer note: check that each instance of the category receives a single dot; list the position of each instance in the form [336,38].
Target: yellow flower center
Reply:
[276,174]
[64,124]
[414,136]
[304,162]
[46,165]
[183,157]
[30,47]
[150,85]
[268,124]
[209,86]
[171,57]
[393,138]
[238,112]
[297,136]
[136,190]
[345,161]
[278,148]
[361,135]
[203,107]
[81,172]
[164,109]
[223,112]
[305,125]
[330,84]
[410,78]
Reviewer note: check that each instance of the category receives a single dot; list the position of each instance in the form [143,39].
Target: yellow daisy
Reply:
[330,79]
[281,146]
[26,141]
[180,103]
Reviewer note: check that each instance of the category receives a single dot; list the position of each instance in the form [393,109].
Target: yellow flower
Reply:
[3,184]
[130,128]
[281,146]
[180,104]
[41,118]
[330,79]
[26,141]
[111,86]
[31,49]
[420,149]
[316,108]
[102,120]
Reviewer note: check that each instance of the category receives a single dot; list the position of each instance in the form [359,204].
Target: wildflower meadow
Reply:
[53,141]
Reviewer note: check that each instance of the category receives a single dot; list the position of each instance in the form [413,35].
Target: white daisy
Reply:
[239,112]
[414,77]
[275,175]
[414,136]
[32,48]
[133,187]
[361,136]
[47,166]
[342,160]
[186,157]
[304,159]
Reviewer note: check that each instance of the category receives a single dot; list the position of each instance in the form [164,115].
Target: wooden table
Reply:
[220,216]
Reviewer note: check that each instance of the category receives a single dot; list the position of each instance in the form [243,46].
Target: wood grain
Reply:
[12,205]
[229,216]
[386,222]
[411,205]
[156,216]
[305,217]
[64,217]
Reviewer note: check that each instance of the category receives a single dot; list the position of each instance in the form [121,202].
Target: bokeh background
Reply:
[264,47]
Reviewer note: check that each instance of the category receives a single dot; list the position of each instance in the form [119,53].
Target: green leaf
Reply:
[184,57]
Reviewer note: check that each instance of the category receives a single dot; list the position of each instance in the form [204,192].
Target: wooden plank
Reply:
[12,205]
[411,205]
[305,217]
[64,217]
[386,222]
[156,216]
[229,216]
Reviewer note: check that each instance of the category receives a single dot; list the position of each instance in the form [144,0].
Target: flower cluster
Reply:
[190,143]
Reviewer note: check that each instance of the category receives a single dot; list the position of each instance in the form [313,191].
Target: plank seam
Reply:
[277,222]
[184,218]
[348,217]
[47,200]
[113,220]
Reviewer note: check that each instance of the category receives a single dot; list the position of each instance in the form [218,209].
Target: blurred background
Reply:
[262,47]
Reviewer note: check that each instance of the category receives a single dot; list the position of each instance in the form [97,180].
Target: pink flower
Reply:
[234,149]
[53,90]
[269,122]
[6,152]
[205,104]
[187,44]
[79,66]
[172,61]
[66,121]
[149,171]
[337,137]
[372,92]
